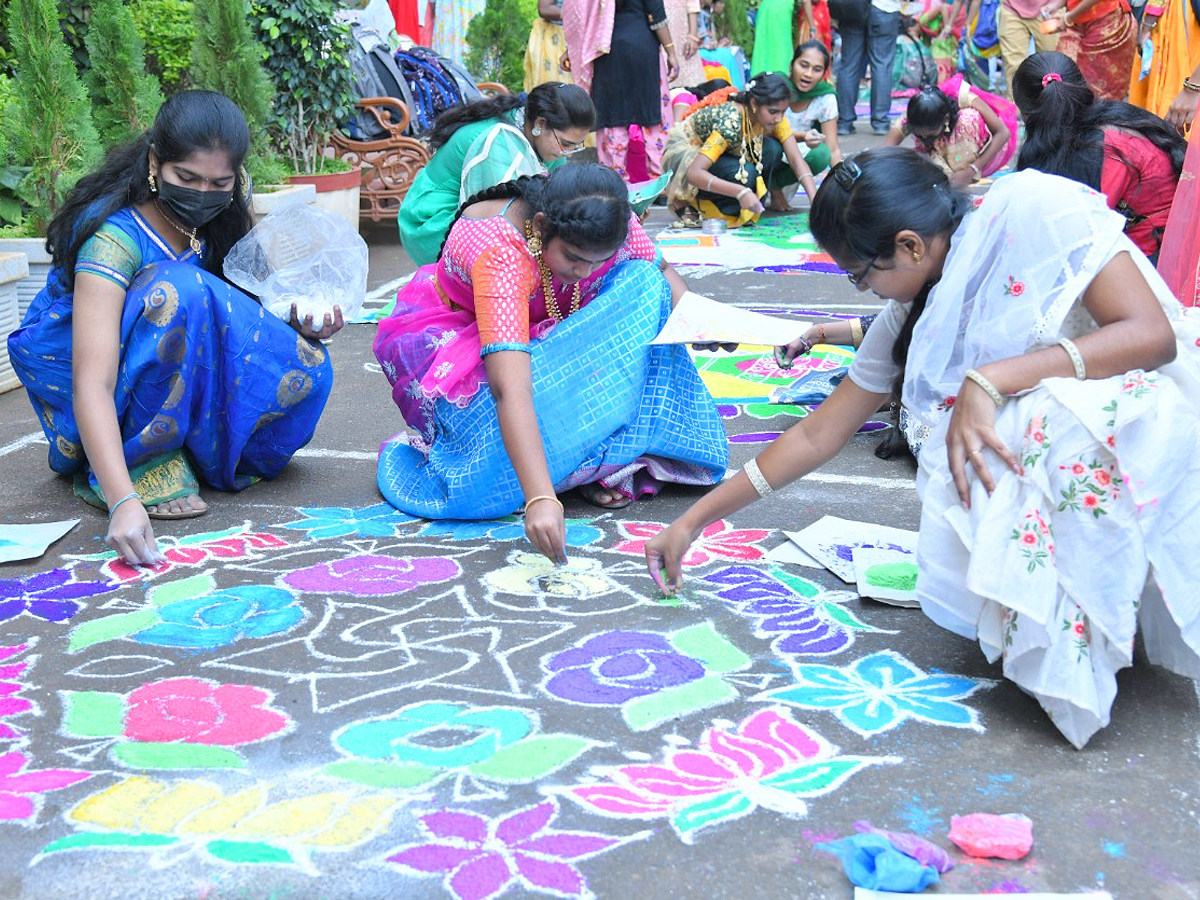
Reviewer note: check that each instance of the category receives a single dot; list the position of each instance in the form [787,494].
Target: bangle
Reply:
[974,168]
[738,195]
[1076,358]
[112,509]
[856,332]
[669,45]
[1189,85]
[990,388]
[533,500]
[757,479]
[710,183]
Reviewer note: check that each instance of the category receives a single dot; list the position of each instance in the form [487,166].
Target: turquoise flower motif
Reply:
[322,522]
[881,691]
[580,532]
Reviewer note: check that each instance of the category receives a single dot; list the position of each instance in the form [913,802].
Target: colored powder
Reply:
[898,576]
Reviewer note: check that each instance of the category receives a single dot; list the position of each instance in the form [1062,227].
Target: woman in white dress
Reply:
[1050,384]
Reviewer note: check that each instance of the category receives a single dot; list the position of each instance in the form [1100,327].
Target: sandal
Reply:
[688,217]
[591,493]
[156,482]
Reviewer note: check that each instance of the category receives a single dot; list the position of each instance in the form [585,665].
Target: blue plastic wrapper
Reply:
[810,388]
[1147,58]
[870,861]
[923,851]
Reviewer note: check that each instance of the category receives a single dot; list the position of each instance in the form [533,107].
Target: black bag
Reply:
[375,75]
[850,13]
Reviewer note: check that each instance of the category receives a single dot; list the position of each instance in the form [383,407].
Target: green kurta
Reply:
[476,157]
[773,39]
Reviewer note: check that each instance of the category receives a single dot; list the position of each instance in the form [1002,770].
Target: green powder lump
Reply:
[898,576]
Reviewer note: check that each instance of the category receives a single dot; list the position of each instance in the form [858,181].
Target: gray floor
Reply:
[469,623]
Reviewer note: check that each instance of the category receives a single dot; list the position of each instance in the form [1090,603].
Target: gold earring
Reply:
[917,257]
[533,240]
[151,181]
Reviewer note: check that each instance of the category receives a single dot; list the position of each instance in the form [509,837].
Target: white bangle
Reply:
[974,168]
[1076,358]
[757,479]
[990,388]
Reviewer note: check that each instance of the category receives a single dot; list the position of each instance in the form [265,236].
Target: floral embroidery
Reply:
[1036,540]
[1011,627]
[443,370]
[1078,626]
[1036,441]
[1139,384]
[438,341]
[1093,488]
[946,404]
[1014,288]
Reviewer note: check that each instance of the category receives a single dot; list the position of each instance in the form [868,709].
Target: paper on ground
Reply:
[789,553]
[700,320]
[831,541]
[864,894]
[19,542]
[869,583]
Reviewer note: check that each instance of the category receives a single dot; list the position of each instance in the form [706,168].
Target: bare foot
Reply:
[606,498]
[181,507]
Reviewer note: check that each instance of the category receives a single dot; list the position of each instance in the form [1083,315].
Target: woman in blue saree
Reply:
[148,372]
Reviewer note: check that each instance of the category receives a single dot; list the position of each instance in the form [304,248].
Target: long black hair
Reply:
[561,105]
[857,217]
[931,107]
[767,87]
[186,122]
[586,204]
[1064,121]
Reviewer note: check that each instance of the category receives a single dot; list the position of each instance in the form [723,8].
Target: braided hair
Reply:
[585,204]
[931,107]
[858,218]
[562,105]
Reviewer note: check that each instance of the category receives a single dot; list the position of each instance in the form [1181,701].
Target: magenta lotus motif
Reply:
[21,787]
[768,761]
[482,857]
[10,687]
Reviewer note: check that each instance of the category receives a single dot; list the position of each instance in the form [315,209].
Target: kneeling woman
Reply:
[726,153]
[1049,379]
[523,361]
[137,355]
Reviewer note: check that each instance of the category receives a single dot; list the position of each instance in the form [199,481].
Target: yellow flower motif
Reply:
[532,575]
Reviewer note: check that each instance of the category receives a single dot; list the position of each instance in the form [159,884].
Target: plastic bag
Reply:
[302,255]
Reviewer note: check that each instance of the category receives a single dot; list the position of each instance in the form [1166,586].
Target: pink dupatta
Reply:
[1179,258]
[588,28]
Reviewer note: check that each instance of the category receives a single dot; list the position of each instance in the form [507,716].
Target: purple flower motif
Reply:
[613,668]
[480,857]
[367,575]
[49,595]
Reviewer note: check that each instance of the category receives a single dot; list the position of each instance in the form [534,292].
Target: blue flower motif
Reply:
[580,532]
[224,617]
[321,522]
[881,691]
[51,596]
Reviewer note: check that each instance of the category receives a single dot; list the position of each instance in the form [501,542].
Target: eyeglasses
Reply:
[568,148]
[846,173]
[858,278]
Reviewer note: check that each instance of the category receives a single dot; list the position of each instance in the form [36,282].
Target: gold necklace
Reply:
[751,147]
[534,243]
[193,241]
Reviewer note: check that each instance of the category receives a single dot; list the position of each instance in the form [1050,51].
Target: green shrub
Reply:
[125,97]
[734,24]
[227,57]
[498,37]
[73,19]
[166,29]
[50,117]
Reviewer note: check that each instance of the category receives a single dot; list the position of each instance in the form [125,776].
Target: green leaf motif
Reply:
[847,619]
[184,589]
[382,774]
[110,628]
[531,758]
[138,755]
[87,839]
[801,586]
[705,643]
[248,852]
[650,711]
[708,812]
[814,779]
[93,714]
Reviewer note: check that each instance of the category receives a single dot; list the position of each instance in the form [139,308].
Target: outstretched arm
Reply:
[803,173]
[798,451]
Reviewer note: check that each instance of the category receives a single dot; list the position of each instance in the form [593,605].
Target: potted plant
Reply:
[306,52]
[48,120]
[227,57]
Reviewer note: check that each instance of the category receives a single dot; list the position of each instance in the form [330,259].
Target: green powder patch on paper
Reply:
[897,576]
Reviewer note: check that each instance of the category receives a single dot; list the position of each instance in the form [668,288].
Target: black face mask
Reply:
[193,208]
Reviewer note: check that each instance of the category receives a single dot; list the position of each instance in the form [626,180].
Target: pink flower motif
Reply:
[1078,469]
[717,541]
[10,704]
[1111,440]
[1039,437]
[1017,289]
[1029,538]
[1078,628]
[1102,477]
[201,712]
[19,790]
[481,857]
[1090,501]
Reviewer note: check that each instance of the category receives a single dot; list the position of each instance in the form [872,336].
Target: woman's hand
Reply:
[747,199]
[1183,109]
[131,535]
[962,178]
[664,556]
[672,65]
[1145,29]
[785,355]
[814,138]
[546,529]
[308,328]
[972,430]
[691,45]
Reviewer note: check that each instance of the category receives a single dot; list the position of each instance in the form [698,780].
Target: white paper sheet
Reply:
[866,558]
[19,542]
[790,554]
[831,541]
[700,320]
